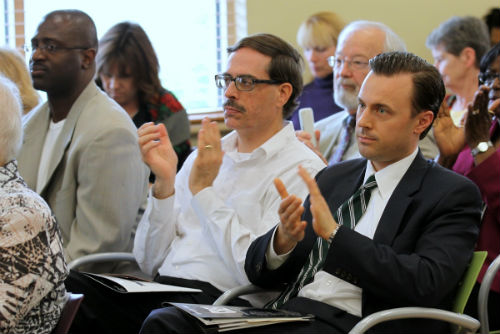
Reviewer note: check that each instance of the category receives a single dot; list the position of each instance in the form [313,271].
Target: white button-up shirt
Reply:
[205,237]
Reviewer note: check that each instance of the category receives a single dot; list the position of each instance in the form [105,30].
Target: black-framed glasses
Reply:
[487,78]
[242,82]
[356,63]
[52,48]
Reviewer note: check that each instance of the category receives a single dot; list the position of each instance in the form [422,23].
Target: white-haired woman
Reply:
[32,266]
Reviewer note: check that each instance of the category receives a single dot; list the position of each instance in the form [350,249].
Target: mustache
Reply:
[37,64]
[234,105]
[346,81]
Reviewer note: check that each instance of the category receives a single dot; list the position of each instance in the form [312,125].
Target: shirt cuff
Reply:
[274,260]
[160,207]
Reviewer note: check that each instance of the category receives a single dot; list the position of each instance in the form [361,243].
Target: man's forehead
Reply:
[248,61]
[383,89]
[363,42]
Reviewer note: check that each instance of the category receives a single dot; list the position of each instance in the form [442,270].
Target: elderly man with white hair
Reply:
[32,267]
[358,42]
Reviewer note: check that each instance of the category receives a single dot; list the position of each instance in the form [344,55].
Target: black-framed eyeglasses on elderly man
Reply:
[488,77]
[356,63]
[242,82]
[51,48]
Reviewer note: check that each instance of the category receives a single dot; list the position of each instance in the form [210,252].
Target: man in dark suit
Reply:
[413,242]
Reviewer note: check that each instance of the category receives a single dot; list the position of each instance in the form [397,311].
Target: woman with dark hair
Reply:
[127,69]
[474,151]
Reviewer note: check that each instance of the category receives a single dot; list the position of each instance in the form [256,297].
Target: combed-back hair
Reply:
[428,87]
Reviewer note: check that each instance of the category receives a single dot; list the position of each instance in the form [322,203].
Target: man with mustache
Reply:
[358,42]
[199,223]
[80,148]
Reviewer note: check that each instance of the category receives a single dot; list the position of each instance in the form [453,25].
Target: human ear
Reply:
[468,56]
[88,57]
[285,91]
[424,120]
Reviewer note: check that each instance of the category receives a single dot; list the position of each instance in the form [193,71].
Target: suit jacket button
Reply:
[258,267]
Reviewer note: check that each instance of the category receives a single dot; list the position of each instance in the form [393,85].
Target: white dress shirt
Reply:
[205,237]
[328,288]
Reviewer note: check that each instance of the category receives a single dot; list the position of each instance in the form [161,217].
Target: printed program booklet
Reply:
[226,318]
[129,284]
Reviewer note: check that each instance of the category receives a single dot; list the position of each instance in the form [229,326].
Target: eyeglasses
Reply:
[354,64]
[488,77]
[51,48]
[242,82]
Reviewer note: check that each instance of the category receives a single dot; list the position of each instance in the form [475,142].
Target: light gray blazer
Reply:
[96,181]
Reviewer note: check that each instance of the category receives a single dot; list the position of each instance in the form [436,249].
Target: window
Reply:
[189,37]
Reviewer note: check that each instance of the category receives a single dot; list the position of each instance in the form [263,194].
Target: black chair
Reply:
[68,313]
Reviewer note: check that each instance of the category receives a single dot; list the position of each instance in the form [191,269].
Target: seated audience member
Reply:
[318,36]
[457,46]
[358,42]
[492,20]
[199,223]
[389,230]
[477,146]
[127,69]
[80,149]
[32,267]
[13,66]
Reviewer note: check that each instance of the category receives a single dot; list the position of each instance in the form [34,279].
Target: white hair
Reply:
[11,133]
[392,41]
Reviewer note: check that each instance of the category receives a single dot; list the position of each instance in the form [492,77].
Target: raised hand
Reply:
[478,119]
[323,222]
[305,137]
[291,229]
[449,139]
[158,153]
[207,164]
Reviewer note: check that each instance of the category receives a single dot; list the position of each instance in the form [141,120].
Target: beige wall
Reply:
[412,20]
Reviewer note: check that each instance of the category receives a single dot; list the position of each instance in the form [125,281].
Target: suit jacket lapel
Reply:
[347,188]
[61,145]
[66,134]
[35,126]
[401,198]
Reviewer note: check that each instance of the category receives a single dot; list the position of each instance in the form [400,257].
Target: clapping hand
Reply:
[157,152]
[478,119]
[209,159]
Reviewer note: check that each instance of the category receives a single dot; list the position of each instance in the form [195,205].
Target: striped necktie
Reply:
[348,214]
[345,138]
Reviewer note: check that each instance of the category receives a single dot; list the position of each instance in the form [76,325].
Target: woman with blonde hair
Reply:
[13,66]
[317,36]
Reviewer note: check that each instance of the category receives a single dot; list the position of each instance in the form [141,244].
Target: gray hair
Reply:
[457,33]
[392,41]
[11,133]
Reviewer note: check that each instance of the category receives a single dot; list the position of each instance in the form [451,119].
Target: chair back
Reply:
[468,280]
[68,313]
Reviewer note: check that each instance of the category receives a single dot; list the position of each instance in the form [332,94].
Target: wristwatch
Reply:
[481,147]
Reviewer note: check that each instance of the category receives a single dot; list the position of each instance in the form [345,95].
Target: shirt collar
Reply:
[268,149]
[389,177]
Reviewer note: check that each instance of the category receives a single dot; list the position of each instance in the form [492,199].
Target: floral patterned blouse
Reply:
[32,266]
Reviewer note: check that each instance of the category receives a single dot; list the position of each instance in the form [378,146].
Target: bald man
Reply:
[80,150]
